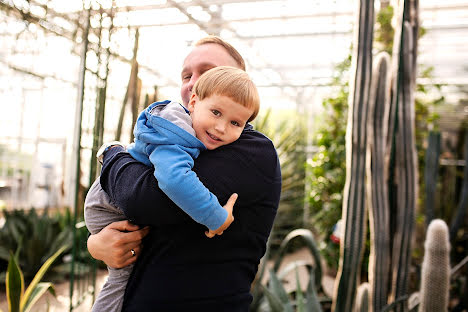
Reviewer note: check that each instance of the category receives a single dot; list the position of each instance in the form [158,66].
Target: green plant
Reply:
[274,297]
[327,166]
[34,237]
[278,300]
[20,300]
[288,133]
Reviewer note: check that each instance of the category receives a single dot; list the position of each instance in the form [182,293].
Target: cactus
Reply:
[405,171]
[431,170]
[457,221]
[377,191]
[435,272]
[380,136]
[362,298]
[402,162]
[354,209]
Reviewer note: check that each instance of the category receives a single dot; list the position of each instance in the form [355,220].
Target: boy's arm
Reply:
[173,170]
[132,187]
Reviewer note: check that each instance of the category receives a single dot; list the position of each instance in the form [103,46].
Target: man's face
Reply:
[201,59]
[218,120]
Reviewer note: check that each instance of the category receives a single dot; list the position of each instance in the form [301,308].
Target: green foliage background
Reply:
[287,130]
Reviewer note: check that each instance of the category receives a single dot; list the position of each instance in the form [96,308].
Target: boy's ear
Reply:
[191,103]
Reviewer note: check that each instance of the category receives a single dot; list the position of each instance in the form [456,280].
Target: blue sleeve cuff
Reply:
[216,219]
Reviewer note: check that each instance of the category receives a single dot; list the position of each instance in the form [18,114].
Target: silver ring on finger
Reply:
[133,252]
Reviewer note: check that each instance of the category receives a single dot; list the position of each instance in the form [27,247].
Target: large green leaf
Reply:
[299,295]
[278,290]
[313,304]
[275,303]
[37,278]
[14,285]
[38,291]
[309,240]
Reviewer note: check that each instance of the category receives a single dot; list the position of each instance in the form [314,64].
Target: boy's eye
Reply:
[235,123]
[216,112]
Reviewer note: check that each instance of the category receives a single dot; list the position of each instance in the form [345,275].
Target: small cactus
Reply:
[362,298]
[435,273]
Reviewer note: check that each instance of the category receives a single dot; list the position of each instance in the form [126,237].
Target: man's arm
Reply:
[113,244]
[133,188]
[248,167]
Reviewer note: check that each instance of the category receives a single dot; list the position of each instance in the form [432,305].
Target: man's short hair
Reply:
[229,48]
[232,82]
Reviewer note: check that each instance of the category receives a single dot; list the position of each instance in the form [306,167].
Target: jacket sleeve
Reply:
[132,187]
[173,170]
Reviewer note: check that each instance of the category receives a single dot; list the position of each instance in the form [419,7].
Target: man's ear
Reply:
[192,102]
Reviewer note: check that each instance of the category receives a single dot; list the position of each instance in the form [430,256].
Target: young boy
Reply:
[223,100]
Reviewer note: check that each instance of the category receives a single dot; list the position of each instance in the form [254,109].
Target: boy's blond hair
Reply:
[231,82]
[229,48]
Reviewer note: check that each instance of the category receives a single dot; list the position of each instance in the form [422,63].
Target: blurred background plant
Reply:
[21,299]
[35,237]
[289,134]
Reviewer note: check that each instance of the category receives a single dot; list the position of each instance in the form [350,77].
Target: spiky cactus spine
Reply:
[377,191]
[435,273]
[354,210]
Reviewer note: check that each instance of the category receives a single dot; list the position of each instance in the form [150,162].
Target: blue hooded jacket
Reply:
[171,150]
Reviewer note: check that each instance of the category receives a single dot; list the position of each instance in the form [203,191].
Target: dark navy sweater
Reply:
[180,269]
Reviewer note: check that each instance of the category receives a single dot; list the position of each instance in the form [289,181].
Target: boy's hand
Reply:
[229,205]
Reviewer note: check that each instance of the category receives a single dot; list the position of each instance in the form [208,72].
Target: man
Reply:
[180,269]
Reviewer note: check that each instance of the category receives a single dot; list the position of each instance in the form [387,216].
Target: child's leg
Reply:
[111,296]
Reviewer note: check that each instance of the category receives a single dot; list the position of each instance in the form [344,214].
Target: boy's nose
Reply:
[220,127]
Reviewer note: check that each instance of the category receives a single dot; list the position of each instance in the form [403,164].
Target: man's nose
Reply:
[192,81]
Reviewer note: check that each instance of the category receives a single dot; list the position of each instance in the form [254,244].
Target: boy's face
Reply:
[217,120]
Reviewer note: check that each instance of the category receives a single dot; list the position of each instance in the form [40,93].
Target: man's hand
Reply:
[229,205]
[114,244]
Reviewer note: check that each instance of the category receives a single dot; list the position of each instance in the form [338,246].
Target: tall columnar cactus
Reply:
[405,170]
[354,209]
[377,191]
[460,214]
[431,169]
[386,146]
[435,273]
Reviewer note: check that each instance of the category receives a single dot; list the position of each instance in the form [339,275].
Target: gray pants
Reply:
[99,212]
